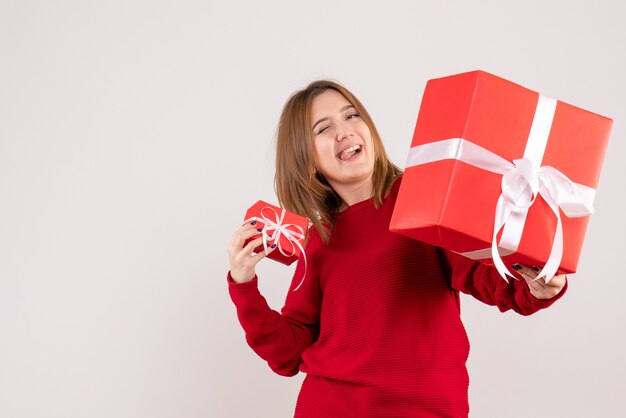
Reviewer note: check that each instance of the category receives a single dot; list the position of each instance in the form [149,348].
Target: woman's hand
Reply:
[242,259]
[539,288]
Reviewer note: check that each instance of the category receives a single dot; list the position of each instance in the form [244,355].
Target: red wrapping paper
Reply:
[451,204]
[289,228]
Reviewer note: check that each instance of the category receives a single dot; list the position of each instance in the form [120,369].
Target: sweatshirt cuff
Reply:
[539,304]
[233,285]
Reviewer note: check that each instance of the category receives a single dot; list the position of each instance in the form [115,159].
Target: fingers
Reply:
[244,233]
[538,287]
[529,274]
[248,250]
[243,259]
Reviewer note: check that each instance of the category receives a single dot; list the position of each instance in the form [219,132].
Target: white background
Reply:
[134,135]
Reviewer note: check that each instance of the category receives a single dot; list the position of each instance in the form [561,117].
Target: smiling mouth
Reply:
[348,153]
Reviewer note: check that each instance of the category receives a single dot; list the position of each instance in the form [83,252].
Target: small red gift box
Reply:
[283,228]
[500,173]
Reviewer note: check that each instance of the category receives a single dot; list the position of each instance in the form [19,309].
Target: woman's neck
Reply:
[352,193]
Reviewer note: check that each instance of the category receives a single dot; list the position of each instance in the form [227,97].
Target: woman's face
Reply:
[342,141]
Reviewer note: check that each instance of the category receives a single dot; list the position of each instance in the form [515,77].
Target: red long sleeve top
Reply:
[376,324]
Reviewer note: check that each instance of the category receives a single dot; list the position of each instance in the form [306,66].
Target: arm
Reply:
[278,338]
[485,284]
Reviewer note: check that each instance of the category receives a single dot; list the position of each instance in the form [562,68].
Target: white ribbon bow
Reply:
[522,181]
[274,229]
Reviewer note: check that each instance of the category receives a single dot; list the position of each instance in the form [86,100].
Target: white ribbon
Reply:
[274,229]
[522,181]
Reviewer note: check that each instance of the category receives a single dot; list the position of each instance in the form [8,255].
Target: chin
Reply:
[357,176]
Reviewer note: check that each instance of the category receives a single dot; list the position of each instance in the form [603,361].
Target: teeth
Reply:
[353,148]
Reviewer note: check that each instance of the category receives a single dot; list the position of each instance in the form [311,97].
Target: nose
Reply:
[343,131]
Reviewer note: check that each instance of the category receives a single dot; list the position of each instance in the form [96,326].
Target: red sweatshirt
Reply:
[376,324]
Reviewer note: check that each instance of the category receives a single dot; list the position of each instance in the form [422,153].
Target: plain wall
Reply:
[134,135]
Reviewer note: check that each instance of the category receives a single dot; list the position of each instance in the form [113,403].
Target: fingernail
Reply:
[535,268]
[260,229]
[517,266]
[273,246]
[253,223]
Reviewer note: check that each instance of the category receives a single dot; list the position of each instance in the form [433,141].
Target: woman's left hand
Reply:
[539,288]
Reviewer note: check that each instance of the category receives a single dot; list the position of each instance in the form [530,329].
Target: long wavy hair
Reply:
[300,189]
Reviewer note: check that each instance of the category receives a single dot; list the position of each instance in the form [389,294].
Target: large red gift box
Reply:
[281,227]
[491,166]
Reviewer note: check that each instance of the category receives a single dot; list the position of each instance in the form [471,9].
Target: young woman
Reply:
[376,323]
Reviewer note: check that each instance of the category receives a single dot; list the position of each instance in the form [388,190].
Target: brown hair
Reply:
[298,187]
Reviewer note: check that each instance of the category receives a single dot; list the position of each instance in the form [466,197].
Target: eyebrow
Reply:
[343,109]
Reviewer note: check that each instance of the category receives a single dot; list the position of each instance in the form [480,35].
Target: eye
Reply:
[352,116]
[322,130]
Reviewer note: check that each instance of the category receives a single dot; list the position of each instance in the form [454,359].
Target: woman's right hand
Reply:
[242,259]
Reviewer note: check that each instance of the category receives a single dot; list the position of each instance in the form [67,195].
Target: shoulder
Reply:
[313,240]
